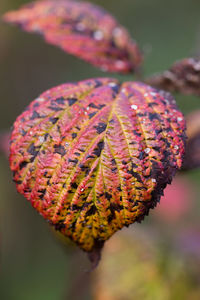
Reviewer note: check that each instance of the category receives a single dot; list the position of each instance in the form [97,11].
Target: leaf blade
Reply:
[82,29]
[95,156]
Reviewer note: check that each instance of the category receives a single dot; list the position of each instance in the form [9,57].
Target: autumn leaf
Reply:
[182,77]
[95,156]
[82,29]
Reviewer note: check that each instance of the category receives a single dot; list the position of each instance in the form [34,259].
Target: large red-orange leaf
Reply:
[82,29]
[95,156]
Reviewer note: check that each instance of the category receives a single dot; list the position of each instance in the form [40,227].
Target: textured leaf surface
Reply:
[192,156]
[95,156]
[183,77]
[82,29]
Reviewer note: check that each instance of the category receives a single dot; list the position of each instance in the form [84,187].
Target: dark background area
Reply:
[33,265]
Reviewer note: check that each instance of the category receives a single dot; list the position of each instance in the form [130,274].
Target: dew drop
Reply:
[40,99]
[80,27]
[153,94]
[112,84]
[41,139]
[179,119]
[120,64]
[134,106]
[98,35]
[117,32]
[147,150]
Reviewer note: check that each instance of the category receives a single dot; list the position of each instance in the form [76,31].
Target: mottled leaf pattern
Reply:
[182,77]
[95,156]
[82,29]
[192,156]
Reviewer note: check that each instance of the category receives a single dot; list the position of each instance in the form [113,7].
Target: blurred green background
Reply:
[33,264]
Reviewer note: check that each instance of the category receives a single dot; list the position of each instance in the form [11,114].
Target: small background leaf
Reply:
[182,77]
[82,29]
